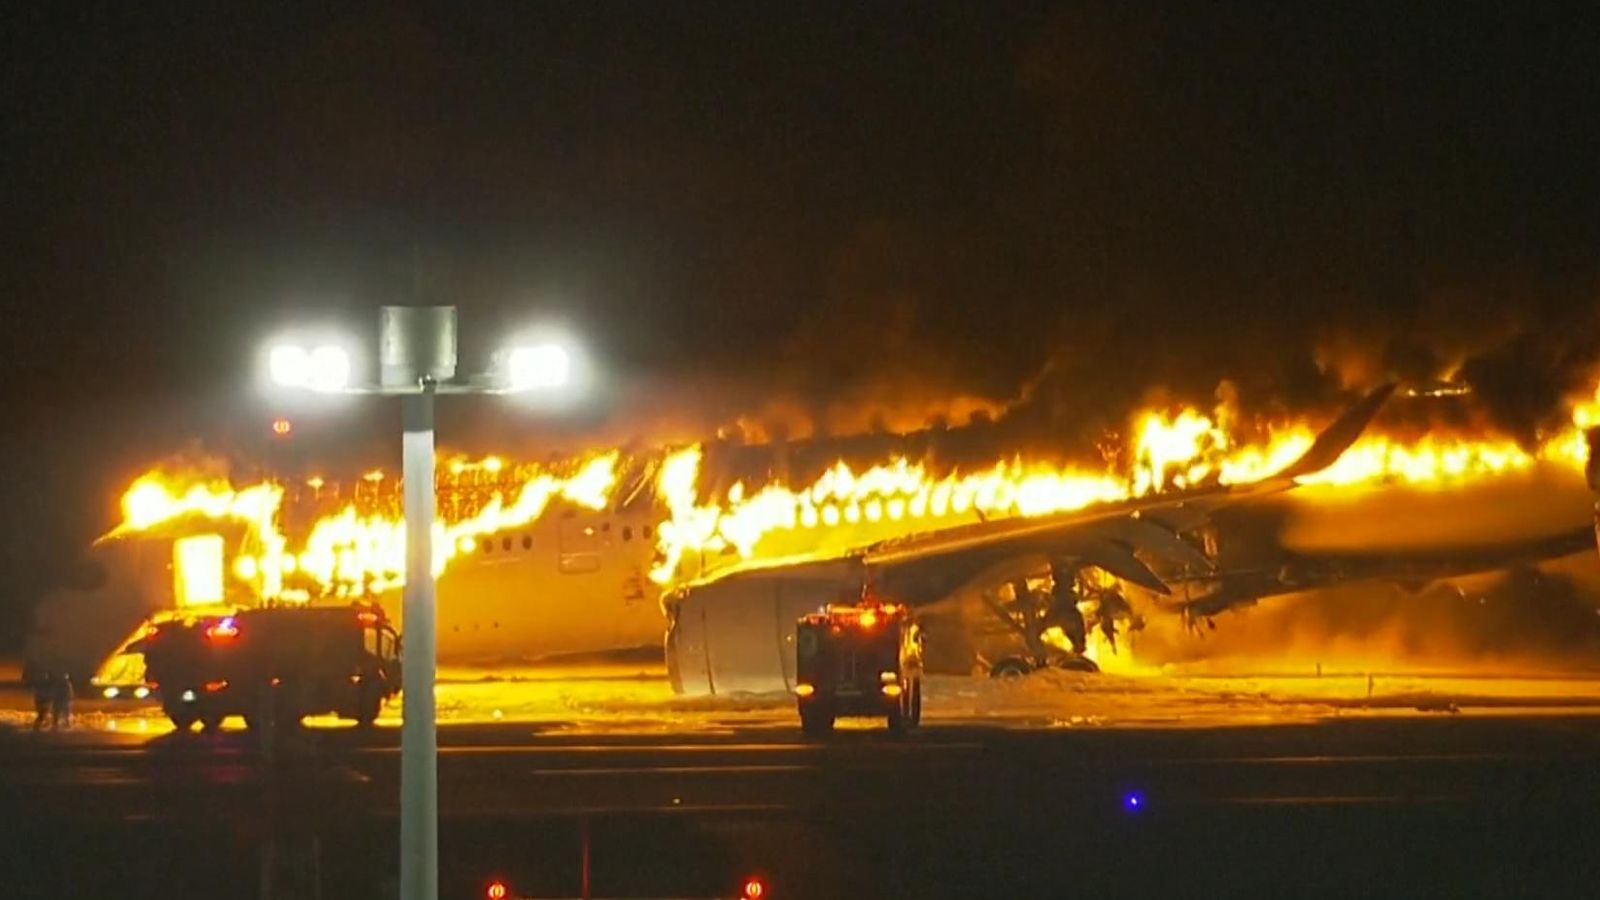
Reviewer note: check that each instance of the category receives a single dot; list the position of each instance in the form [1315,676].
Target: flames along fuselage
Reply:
[536,565]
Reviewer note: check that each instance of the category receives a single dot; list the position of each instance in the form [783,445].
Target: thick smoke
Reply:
[1527,620]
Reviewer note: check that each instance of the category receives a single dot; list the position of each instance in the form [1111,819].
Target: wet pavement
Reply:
[680,797]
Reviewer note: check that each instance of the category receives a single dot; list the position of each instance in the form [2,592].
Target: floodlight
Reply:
[329,369]
[289,366]
[539,367]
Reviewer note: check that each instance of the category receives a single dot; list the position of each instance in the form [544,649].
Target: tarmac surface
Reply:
[1020,789]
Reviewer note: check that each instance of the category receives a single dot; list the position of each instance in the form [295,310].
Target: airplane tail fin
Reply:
[1336,438]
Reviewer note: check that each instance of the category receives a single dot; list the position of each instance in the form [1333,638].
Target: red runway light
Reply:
[282,427]
[497,891]
[754,888]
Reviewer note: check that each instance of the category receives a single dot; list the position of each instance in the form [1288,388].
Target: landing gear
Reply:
[1013,667]
[1010,669]
[1072,662]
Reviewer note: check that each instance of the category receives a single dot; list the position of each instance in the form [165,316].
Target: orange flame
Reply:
[350,552]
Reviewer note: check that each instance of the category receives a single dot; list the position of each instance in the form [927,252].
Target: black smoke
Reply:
[825,220]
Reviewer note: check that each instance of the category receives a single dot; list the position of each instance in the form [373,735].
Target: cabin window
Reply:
[505,543]
[644,532]
[527,542]
[627,532]
[488,547]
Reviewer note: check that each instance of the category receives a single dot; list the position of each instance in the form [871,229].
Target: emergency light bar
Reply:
[223,630]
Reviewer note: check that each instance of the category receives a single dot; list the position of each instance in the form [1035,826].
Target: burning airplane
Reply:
[587,554]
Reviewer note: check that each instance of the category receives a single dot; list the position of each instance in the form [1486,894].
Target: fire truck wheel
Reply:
[181,715]
[816,722]
[901,718]
[367,709]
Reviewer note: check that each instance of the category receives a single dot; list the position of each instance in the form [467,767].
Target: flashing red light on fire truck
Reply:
[223,630]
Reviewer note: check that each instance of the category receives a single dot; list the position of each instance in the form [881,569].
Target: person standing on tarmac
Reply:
[39,678]
[61,701]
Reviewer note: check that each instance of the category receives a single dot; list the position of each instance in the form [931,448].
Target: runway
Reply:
[1387,806]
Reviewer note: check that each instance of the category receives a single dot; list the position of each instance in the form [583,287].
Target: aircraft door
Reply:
[580,546]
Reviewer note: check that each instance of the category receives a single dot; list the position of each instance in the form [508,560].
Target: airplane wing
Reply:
[733,630]
[1106,536]
[1292,573]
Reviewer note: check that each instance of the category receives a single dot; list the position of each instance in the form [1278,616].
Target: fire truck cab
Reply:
[286,662]
[862,659]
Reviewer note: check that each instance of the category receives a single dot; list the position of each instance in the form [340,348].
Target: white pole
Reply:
[419,763]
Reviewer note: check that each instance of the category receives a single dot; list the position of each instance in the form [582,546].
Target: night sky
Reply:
[874,202]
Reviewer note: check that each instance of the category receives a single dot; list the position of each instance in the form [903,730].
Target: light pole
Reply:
[417,356]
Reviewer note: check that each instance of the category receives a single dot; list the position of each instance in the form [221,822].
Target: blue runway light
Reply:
[1133,801]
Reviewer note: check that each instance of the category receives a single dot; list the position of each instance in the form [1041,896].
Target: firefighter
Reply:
[1064,606]
[39,678]
[61,701]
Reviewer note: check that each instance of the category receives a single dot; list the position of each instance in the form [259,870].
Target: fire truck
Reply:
[283,662]
[861,659]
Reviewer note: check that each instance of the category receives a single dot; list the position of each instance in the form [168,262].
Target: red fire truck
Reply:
[862,659]
[287,662]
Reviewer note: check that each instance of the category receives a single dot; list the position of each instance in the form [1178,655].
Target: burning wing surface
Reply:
[735,631]
[933,565]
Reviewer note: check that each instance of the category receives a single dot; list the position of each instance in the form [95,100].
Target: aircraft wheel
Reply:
[210,723]
[1076,663]
[916,703]
[1010,668]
